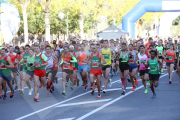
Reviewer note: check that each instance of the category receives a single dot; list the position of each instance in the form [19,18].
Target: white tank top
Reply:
[50,62]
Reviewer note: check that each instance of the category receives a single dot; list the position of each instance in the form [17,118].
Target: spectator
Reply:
[40,38]
[31,37]
[42,47]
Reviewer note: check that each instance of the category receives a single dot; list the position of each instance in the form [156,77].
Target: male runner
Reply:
[67,66]
[14,59]
[5,73]
[160,50]
[82,55]
[95,65]
[40,71]
[155,69]
[107,54]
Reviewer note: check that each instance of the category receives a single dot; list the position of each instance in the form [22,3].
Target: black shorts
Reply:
[67,71]
[160,57]
[123,66]
[30,73]
[154,77]
[51,70]
[104,67]
[142,72]
[14,70]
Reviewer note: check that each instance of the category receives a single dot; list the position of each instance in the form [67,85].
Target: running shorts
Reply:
[21,67]
[124,66]
[132,66]
[14,70]
[104,67]
[160,57]
[82,67]
[96,72]
[143,72]
[30,73]
[169,63]
[8,79]
[154,77]
[40,73]
[67,71]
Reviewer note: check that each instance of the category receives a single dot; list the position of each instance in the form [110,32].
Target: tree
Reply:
[24,6]
[46,7]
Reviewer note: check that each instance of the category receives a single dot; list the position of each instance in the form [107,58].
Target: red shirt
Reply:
[14,57]
[147,45]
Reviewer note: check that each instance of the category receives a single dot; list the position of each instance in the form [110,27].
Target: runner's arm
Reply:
[10,63]
[102,58]
[73,58]
[160,64]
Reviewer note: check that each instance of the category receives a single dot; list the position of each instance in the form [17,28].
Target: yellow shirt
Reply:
[107,56]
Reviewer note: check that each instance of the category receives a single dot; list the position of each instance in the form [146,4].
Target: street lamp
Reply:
[61,17]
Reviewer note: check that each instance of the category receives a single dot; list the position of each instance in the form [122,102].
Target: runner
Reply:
[160,50]
[155,70]
[5,73]
[14,60]
[39,71]
[107,54]
[82,55]
[142,57]
[170,56]
[24,71]
[30,71]
[95,65]
[67,66]
[49,67]
[124,65]
[132,66]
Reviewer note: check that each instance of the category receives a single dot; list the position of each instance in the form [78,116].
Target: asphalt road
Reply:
[79,104]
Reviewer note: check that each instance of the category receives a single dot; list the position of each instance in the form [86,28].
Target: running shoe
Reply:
[77,82]
[11,94]
[64,93]
[52,87]
[92,92]
[124,92]
[83,84]
[104,91]
[146,91]
[112,74]
[99,95]
[115,73]
[96,86]
[161,69]
[36,99]
[66,84]
[30,91]
[40,85]
[109,80]
[136,81]
[4,97]
[91,87]
[133,89]
[21,91]
[148,82]
[170,82]
[16,87]
[154,96]
[0,96]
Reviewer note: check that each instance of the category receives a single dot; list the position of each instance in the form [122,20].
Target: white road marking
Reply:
[67,119]
[83,103]
[25,116]
[111,102]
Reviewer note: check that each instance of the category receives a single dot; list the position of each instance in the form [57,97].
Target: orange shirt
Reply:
[66,62]
[14,57]
[148,44]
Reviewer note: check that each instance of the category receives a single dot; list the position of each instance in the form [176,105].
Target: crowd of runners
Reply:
[92,59]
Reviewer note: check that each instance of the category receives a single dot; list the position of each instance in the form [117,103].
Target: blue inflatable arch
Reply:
[147,6]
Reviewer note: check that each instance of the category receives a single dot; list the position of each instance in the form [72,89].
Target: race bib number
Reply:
[124,56]
[2,66]
[170,58]
[25,61]
[143,61]
[106,57]
[38,64]
[154,68]
[94,64]
[131,61]
[66,66]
